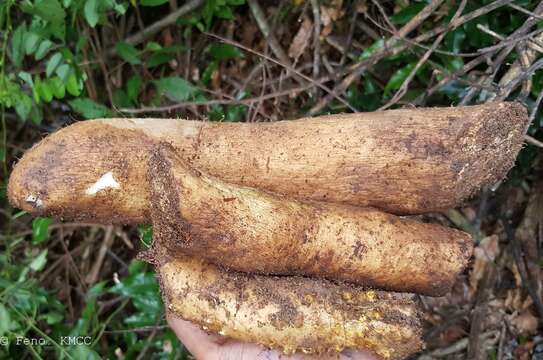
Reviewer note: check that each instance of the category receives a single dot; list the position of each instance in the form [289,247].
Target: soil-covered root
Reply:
[256,232]
[291,313]
[401,161]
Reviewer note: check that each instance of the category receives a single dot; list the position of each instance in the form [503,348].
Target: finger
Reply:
[198,342]
[235,350]
[207,346]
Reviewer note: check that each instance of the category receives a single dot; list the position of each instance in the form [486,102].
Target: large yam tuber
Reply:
[401,161]
[252,231]
[291,313]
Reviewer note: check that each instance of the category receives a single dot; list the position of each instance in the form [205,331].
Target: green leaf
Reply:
[397,79]
[31,42]
[24,107]
[89,109]
[453,63]
[44,90]
[91,12]
[57,87]
[224,52]
[152,46]
[537,81]
[36,115]
[175,88]
[133,87]
[208,72]
[73,86]
[39,262]
[43,48]
[26,77]
[40,229]
[146,235]
[143,290]
[64,72]
[121,99]
[224,12]
[406,14]
[17,45]
[83,352]
[49,10]
[7,323]
[53,63]
[366,54]
[159,58]
[53,317]
[128,52]
[454,40]
[153,2]
[236,113]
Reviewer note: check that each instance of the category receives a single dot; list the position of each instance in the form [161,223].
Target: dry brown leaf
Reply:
[513,299]
[329,14]
[485,252]
[216,79]
[301,39]
[525,323]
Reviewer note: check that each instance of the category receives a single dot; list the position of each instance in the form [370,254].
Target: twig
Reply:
[521,266]
[384,15]
[53,227]
[350,35]
[511,40]
[368,30]
[458,346]
[390,43]
[317,35]
[92,276]
[260,18]
[290,68]
[248,101]
[159,25]
[523,10]
[71,260]
[501,342]
[392,47]
[531,140]
[405,85]
[530,54]
[149,340]
[475,348]
[521,77]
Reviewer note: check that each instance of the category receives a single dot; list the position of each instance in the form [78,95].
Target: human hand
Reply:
[204,346]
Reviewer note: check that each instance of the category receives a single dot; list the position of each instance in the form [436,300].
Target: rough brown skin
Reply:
[401,161]
[291,313]
[256,232]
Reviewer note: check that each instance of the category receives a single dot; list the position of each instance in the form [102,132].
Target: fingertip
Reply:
[349,354]
[199,343]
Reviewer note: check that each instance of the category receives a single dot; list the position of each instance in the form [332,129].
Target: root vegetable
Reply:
[401,161]
[252,231]
[291,313]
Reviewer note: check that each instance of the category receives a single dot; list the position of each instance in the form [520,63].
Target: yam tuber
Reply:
[401,161]
[255,232]
[291,313]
